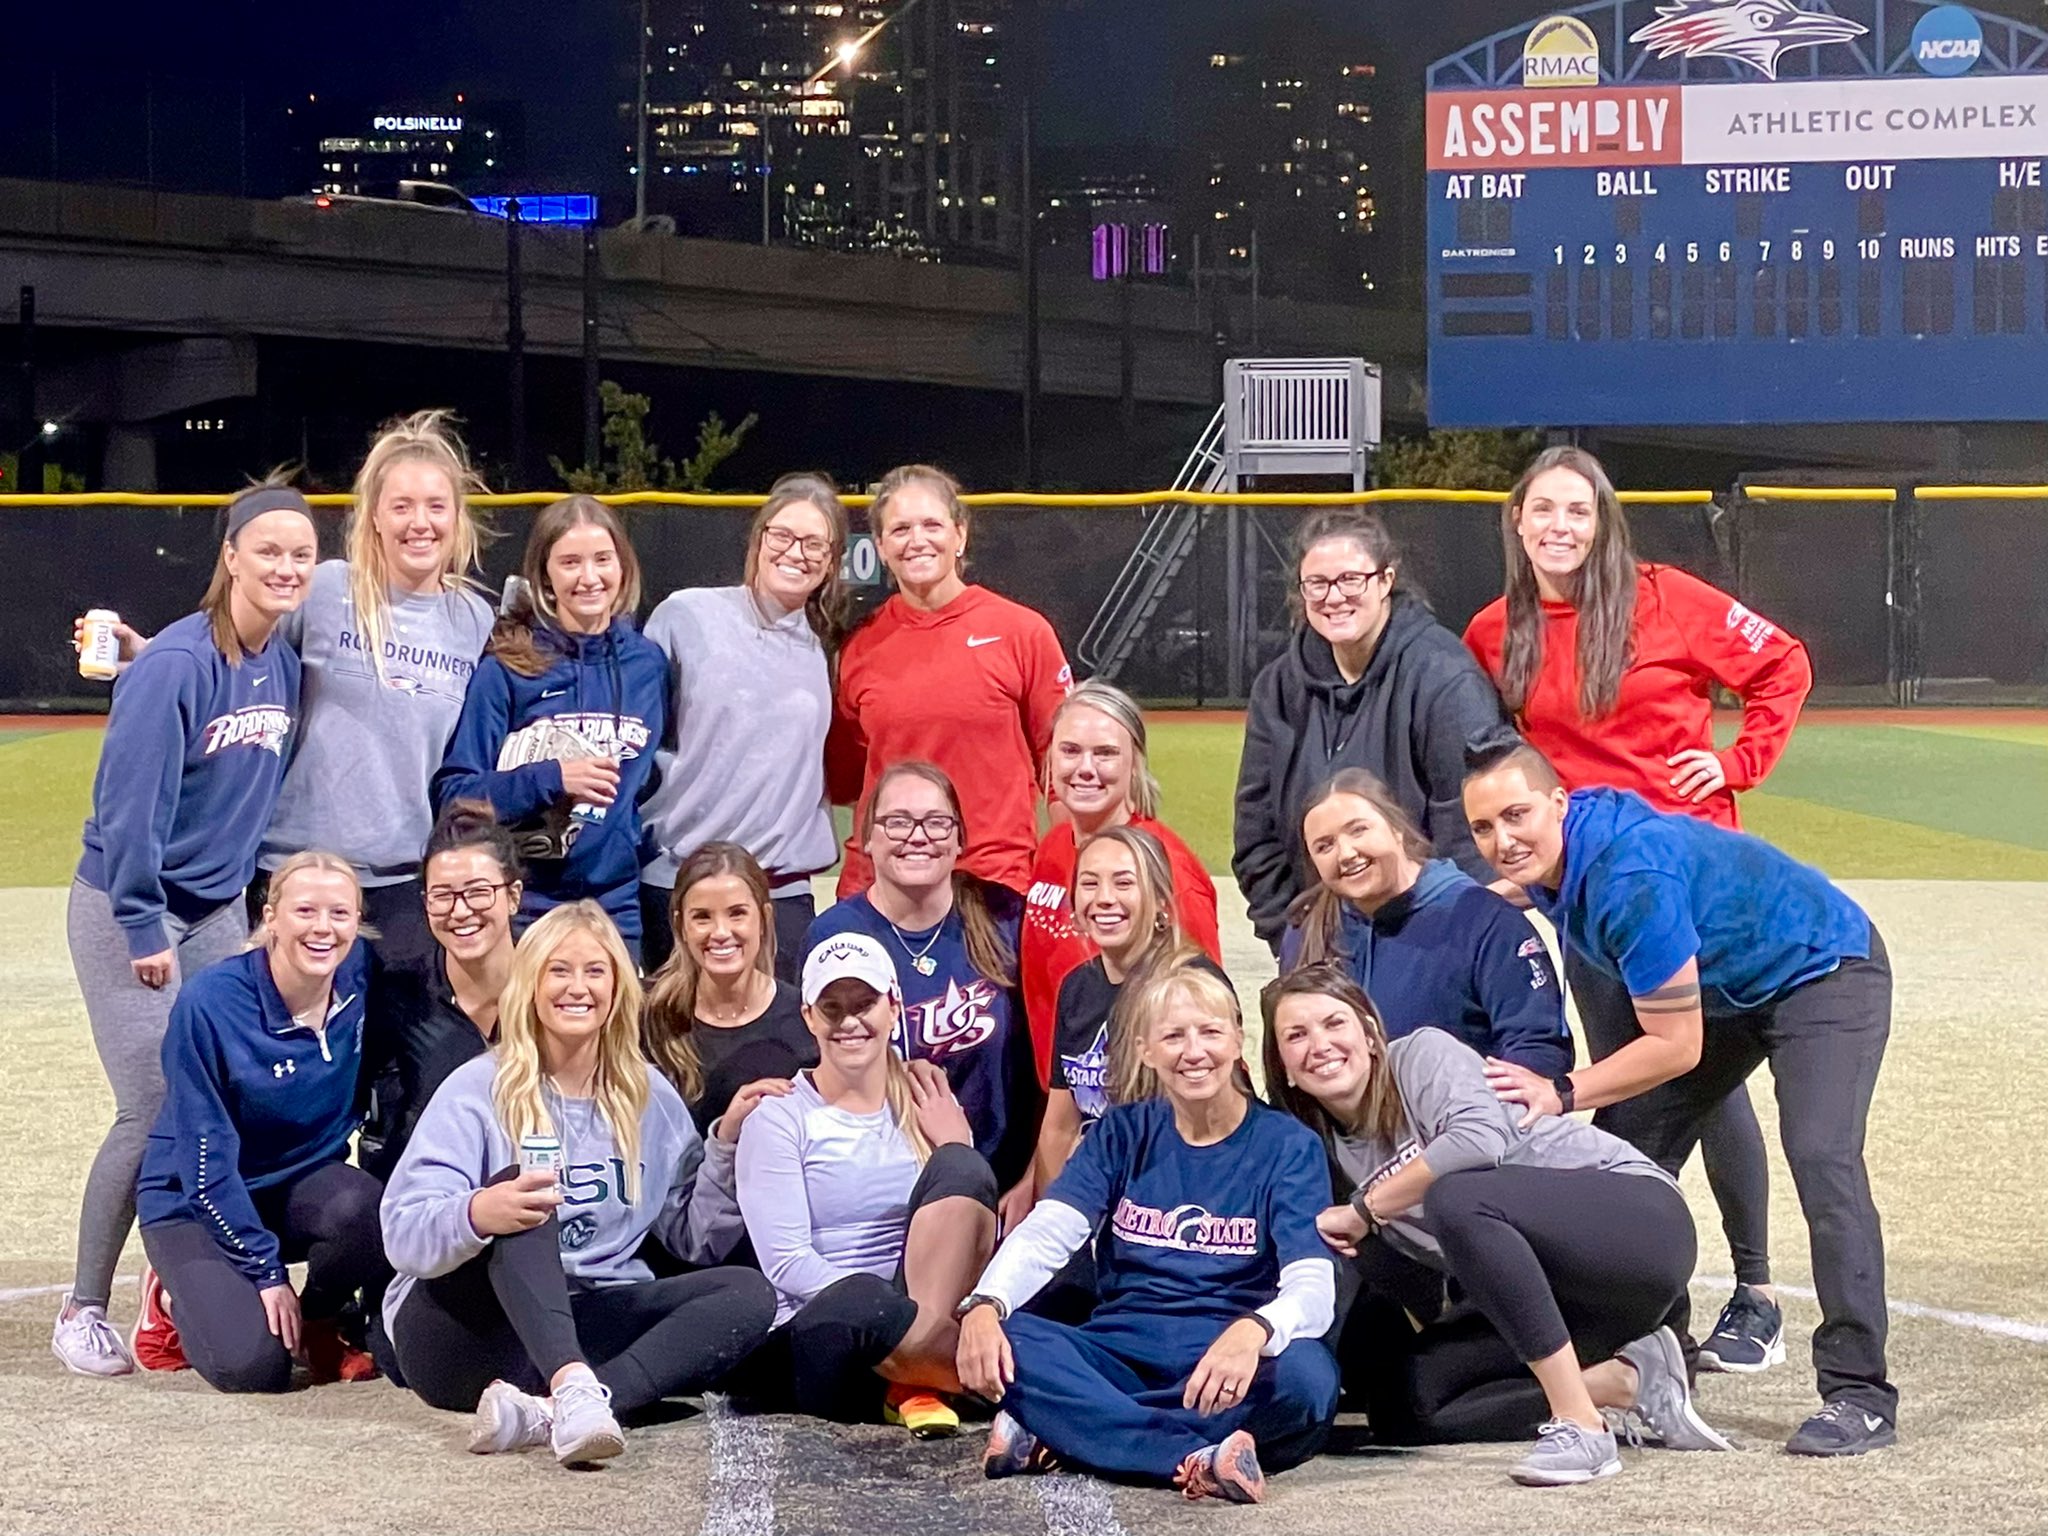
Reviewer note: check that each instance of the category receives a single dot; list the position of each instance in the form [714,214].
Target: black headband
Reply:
[250,505]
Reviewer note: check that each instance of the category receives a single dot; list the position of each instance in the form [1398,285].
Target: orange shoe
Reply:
[1229,1471]
[922,1411]
[330,1356]
[155,1342]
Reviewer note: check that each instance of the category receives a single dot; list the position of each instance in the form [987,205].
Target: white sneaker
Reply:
[88,1344]
[584,1430]
[508,1419]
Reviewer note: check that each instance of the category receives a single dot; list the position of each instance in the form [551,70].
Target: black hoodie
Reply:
[1408,720]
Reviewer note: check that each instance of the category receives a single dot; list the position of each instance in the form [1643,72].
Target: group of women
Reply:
[983,1130]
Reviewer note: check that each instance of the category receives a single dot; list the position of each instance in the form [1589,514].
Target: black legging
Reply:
[1543,1257]
[512,1314]
[1731,1141]
[821,1363]
[328,1218]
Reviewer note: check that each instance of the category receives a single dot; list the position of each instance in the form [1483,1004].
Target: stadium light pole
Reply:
[640,129]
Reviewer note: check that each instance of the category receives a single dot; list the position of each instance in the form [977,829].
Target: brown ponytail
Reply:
[668,1026]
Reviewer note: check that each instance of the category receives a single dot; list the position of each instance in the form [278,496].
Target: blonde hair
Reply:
[1143,1000]
[621,1087]
[668,1028]
[425,437]
[896,1094]
[1141,792]
[298,864]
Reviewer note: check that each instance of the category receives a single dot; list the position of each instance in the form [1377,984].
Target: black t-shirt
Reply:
[414,1035]
[1080,1034]
[777,1044]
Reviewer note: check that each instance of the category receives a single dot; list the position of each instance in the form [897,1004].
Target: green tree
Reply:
[1455,459]
[631,461]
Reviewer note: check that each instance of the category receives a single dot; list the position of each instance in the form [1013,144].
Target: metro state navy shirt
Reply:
[959,1019]
[1196,1232]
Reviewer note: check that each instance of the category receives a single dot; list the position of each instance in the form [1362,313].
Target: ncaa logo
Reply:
[1948,41]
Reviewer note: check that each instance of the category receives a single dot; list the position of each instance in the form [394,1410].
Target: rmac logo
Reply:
[1561,50]
[1948,41]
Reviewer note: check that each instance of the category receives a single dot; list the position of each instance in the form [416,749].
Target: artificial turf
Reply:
[1919,800]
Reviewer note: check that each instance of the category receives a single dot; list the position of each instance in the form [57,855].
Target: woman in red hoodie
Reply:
[945,673]
[1609,665]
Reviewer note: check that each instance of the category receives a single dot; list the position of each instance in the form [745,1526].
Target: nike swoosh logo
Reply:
[258,682]
[974,641]
[552,693]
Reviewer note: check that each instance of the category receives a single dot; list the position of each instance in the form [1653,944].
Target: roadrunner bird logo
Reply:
[1757,32]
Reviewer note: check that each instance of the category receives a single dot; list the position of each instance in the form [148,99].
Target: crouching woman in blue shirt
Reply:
[1430,945]
[521,1292]
[247,1169]
[1203,1364]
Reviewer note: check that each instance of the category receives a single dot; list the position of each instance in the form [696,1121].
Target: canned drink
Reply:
[99,650]
[542,1153]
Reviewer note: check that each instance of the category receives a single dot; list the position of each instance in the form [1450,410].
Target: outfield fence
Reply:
[1904,593]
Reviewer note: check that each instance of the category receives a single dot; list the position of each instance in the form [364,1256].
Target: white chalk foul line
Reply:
[746,1458]
[1980,1322]
[27,1292]
[1076,1505]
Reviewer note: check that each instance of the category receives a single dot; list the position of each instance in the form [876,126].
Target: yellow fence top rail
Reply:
[1982,492]
[1820,493]
[1075,499]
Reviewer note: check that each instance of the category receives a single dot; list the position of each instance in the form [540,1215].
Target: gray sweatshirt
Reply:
[357,783]
[1453,1120]
[746,759]
[459,1144]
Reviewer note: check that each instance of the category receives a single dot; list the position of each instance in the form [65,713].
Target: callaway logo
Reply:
[1189,1228]
[1755,32]
[976,641]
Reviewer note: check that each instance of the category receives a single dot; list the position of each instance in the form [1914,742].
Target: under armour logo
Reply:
[283,1069]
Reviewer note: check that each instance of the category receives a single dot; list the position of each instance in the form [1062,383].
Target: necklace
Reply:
[731,1015]
[921,960]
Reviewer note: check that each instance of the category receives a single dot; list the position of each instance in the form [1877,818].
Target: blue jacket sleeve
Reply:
[469,768]
[210,1147]
[1518,988]
[142,766]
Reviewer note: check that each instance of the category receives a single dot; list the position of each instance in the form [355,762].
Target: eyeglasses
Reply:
[480,897]
[779,541]
[901,826]
[1348,583]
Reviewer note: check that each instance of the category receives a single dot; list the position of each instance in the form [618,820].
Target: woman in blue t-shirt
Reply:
[1203,1363]
[954,940]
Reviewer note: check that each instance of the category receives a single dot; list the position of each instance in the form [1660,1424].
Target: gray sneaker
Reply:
[582,1429]
[1567,1453]
[1664,1400]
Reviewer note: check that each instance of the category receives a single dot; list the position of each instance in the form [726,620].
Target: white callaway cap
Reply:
[847,955]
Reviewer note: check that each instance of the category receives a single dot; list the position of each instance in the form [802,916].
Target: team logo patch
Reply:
[1753,32]
[1187,1228]
[962,1019]
[262,726]
[578,1233]
[1756,630]
[1530,946]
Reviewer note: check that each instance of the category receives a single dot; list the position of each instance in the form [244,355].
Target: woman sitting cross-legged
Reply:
[520,1293]
[1203,1363]
[867,1206]
[1568,1245]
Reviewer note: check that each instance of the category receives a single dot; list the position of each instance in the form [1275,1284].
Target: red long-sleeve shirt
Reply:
[973,688]
[1688,637]
[1053,943]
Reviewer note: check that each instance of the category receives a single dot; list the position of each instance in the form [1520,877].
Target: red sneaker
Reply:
[330,1356]
[155,1343]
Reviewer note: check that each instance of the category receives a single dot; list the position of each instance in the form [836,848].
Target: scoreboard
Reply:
[1715,212]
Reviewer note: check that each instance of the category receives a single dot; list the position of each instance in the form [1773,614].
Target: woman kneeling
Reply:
[1203,1364]
[1568,1245]
[516,1281]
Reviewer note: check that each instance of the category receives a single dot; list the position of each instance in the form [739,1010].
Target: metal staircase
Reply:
[1141,586]
[1280,416]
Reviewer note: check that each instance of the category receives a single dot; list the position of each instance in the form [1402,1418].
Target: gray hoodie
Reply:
[1453,1118]
[459,1144]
